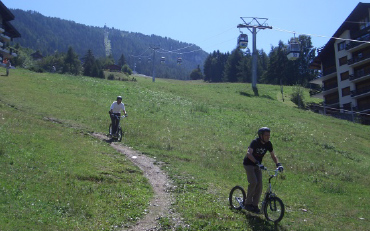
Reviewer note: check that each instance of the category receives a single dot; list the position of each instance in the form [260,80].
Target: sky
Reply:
[209,24]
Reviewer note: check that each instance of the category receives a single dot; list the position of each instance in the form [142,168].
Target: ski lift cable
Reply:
[191,45]
[142,54]
[186,52]
[163,51]
[322,36]
[357,22]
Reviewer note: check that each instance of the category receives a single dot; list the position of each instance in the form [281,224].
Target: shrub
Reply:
[297,96]
[126,69]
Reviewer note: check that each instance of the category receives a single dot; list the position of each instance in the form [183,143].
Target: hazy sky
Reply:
[210,24]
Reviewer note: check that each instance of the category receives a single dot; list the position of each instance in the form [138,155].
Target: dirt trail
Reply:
[160,206]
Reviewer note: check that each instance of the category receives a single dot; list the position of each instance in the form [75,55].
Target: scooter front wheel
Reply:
[274,209]
[237,197]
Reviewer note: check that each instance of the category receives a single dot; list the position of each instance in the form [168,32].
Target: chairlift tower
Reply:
[254,26]
[154,48]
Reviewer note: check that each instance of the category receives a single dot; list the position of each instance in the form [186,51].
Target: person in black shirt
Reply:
[253,164]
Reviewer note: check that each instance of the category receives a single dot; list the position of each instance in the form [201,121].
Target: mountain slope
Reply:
[198,133]
[49,34]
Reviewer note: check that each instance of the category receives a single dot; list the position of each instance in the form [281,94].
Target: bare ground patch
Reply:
[160,206]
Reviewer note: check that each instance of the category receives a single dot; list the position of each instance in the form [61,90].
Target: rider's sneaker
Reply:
[249,208]
[256,209]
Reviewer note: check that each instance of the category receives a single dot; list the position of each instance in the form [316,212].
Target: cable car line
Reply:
[142,54]
[177,51]
[322,36]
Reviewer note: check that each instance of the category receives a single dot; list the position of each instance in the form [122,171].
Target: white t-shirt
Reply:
[117,107]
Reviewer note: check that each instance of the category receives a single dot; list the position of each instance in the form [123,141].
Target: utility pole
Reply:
[154,48]
[253,29]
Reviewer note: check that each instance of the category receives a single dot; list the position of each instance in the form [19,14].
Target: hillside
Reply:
[56,176]
[50,34]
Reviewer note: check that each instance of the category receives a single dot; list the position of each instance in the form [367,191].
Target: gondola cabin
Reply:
[163,59]
[139,60]
[293,49]
[149,60]
[179,61]
[243,41]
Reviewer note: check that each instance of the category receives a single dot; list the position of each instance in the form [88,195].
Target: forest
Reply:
[274,68]
[55,39]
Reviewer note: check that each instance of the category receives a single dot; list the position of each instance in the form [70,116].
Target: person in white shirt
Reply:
[115,109]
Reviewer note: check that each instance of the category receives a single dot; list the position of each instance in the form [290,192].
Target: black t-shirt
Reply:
[259,150]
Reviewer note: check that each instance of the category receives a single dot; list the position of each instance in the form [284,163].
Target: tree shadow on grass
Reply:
[257,222]
[243,93]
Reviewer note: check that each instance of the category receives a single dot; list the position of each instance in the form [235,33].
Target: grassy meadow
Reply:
[55,176]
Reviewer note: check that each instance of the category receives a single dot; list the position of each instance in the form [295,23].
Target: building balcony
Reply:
[318,95]
[1,30]
[332,103]
[4,51]
[327,74]
[329,87]
[360,92]
[5,38]
[359,77]
[329,71]
[358,60]
[324,91]
[357,46]
[354,45]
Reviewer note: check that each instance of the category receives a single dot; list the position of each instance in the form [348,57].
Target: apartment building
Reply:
[345,68]
[7,33]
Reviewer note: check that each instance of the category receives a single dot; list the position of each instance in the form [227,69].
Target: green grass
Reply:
[55,176]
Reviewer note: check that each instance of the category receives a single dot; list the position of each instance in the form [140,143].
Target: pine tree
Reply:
[89,64]
[231,69]
[276,70]
[71,63]
[121,61]
[208,68]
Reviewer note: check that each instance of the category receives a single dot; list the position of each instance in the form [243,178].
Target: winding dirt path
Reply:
[160,206]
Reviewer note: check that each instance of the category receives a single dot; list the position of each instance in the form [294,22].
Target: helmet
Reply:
[262,130]
[119,97]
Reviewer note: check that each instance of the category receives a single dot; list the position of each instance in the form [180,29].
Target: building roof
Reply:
[9,28]
[113,67]
[7,16]
[355,16]
[37,55]
[5,12]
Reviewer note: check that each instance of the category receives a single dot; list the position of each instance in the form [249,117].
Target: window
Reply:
[341,46]
[344,76]
[346,91]
[343,61]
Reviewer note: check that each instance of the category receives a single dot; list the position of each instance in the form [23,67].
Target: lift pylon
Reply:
[253,25]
